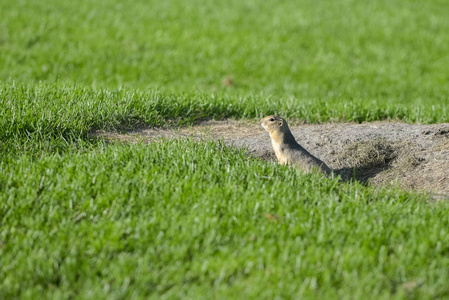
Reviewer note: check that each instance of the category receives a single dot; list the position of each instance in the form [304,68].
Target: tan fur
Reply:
[287,150]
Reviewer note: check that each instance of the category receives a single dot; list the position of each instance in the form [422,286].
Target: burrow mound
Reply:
[412,156]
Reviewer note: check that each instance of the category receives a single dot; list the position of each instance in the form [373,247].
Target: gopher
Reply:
[287,150]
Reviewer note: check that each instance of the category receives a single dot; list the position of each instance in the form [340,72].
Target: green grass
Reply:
[51,117]
[80,218]
[71,111]
[176,219]
[330,50]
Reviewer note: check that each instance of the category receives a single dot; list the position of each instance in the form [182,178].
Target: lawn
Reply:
[84,218]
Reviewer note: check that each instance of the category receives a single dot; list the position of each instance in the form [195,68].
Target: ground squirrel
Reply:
[287,150]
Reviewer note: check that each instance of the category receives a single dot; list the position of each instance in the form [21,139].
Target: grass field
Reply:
[81,218]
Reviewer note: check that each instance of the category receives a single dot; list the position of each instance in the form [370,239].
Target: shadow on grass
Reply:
[361,174]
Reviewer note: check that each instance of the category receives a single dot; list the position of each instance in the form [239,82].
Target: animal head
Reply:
[273,124]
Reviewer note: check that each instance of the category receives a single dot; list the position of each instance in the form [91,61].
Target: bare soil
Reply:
[412,156]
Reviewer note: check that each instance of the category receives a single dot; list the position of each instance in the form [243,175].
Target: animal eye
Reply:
[272,120]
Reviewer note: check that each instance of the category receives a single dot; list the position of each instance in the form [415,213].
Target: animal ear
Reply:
[281,122]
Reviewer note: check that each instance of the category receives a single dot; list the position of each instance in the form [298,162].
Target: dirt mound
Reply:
[412,156]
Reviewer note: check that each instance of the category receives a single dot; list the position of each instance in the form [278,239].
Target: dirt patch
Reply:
[412,156]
